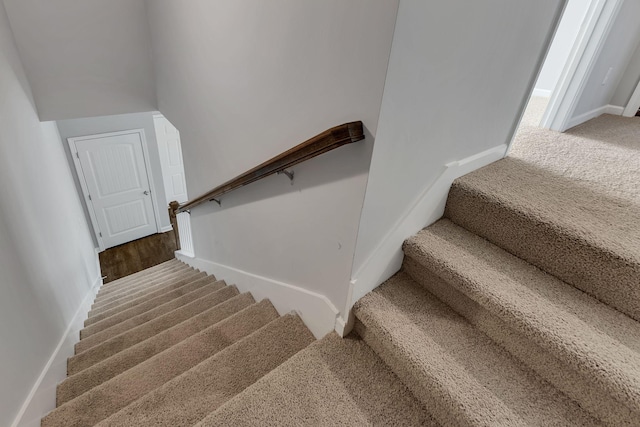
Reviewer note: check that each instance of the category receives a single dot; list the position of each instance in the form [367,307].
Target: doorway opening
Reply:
[127,169]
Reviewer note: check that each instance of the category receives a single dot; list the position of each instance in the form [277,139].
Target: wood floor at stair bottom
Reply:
[140,254]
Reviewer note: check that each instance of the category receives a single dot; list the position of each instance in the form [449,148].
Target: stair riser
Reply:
[108,398]
[113,290]
[135,321]
[430,391]
[147,330]
[561,336]
[137,275]
[189,398]
[120,316]
[94,376]
[579,387]
[606,276]
[141,287]
[139,298]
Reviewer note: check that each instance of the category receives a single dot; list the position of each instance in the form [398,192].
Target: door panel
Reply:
[171,160]
[116,177]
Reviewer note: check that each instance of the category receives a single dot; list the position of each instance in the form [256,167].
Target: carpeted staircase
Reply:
[171,346]
[515,309]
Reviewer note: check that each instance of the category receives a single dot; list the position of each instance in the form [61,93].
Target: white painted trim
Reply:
[605,109]
[165,229]
[152,181]
[41,400]
[85,192]
[634,103]
[316,311]
[85,188]
[614,110]
[386,258]
[534,78]
[595,29]
[545,93]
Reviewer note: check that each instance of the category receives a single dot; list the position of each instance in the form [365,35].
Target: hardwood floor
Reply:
[134,256]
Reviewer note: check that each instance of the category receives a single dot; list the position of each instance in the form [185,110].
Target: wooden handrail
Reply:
[319,144]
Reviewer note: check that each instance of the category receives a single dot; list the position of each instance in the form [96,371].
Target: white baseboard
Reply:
[316,311]
[605,109]
[386,258]
[614,110]
[541,92]
[166,228]
[42,398]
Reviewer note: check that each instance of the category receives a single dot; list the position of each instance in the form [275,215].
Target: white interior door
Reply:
[175,186]
[116,184]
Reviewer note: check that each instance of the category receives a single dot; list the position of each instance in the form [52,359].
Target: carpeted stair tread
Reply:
[140,333]
[191,396]
[140,286]
[138,274]
[141,282]
[135,299]
[556,224]
[143,286]
[149,315]
[167,301]
[142,296]
[102,371]
[586,335]
[150,276]
[461,376]
[581,389]
[333,381]
[116,393]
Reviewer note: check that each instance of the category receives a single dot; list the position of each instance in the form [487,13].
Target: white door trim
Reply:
[595,29]
[634,103]
[85,189]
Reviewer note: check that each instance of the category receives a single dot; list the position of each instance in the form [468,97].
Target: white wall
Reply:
[628,82]
[85,58]
[459,77]
[564,39]
[244,80]
[47,259]
[616,53]
[96,125]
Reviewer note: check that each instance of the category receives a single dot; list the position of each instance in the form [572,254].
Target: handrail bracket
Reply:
[289,175]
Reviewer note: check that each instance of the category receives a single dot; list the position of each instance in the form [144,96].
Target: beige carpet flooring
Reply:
[171,346]
[519,308]
[602,154]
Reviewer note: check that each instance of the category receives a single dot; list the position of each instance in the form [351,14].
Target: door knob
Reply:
[146,193]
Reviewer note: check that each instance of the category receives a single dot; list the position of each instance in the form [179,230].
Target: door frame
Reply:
[85,188]
[595,29]
[162,163]
[634,103]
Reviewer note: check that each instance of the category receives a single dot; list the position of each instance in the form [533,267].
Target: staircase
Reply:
[519,307]
[171,346]
[516,309]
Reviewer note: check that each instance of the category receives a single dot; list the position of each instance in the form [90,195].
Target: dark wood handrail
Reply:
[319,144]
